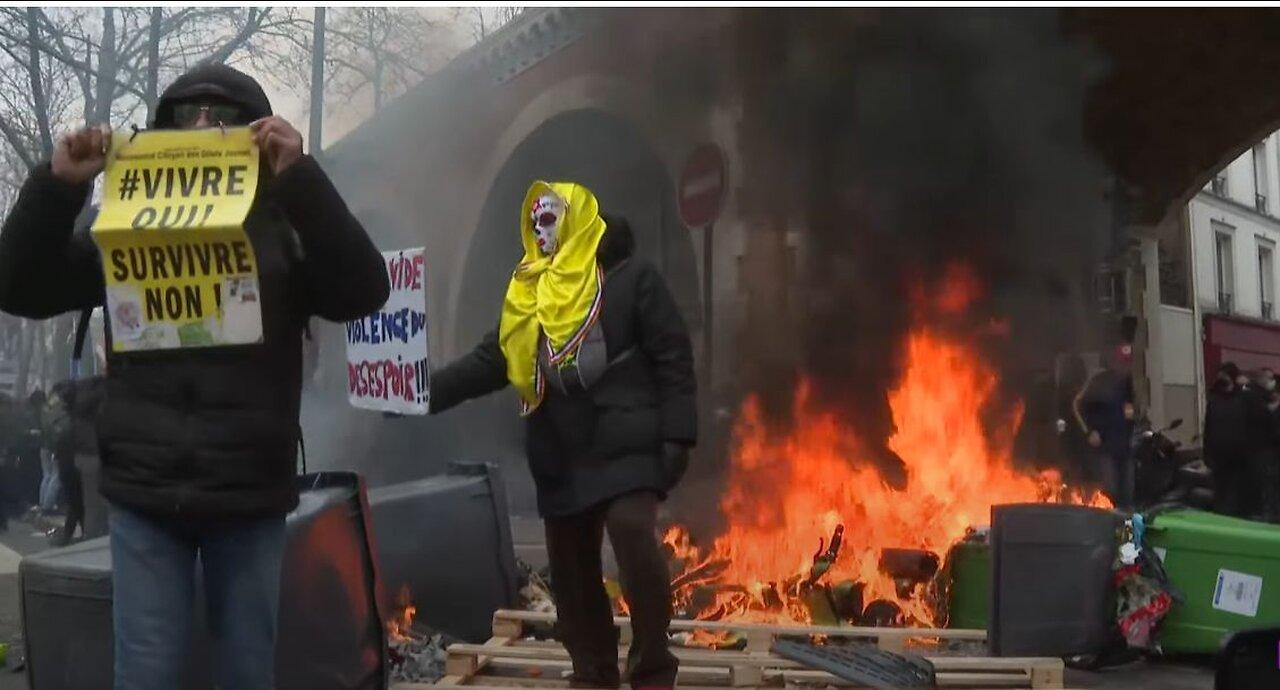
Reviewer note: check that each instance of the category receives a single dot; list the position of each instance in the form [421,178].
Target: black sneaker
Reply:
[60,536]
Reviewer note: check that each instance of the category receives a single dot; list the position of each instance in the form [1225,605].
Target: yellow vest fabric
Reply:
[558,296]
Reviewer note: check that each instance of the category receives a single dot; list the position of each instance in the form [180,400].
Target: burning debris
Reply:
[416,653]
[881,536]
[400,624]
[787,487]
[418,658]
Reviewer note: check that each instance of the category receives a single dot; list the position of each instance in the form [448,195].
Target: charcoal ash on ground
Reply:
[418,656]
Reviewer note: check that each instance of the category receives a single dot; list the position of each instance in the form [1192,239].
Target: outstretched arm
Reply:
[479,372]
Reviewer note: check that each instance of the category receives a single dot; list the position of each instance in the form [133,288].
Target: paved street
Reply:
[19,540]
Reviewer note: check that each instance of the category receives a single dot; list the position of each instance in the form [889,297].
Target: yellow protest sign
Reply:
[180,270]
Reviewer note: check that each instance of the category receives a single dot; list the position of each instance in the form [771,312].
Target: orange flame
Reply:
[787,491]
[401,621]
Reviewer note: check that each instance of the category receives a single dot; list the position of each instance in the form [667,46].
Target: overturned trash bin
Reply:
[444,545]
[330,634]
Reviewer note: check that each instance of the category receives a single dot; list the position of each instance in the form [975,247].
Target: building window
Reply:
[1260,185]
[1224,261]
[1109,290]
[1218,185]
[1175,287]
[1266,278]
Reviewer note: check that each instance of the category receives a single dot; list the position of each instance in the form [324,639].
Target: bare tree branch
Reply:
[41,106]
[251,25]
[16,143]
[381,50]
[63,54]
[105,64]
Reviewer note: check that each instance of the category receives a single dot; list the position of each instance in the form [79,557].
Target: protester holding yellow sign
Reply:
[216,240]
[180,271]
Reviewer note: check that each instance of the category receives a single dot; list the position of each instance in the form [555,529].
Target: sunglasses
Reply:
[188,114]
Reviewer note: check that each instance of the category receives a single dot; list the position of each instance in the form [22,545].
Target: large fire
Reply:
[792,493]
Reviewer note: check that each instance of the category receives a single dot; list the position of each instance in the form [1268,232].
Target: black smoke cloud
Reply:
[916,139]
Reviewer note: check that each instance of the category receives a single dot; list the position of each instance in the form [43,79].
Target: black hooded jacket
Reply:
[587,448]
[206,432]
[1237,426]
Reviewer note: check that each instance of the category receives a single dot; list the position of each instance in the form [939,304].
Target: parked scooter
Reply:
[1162,479]
[1155,463]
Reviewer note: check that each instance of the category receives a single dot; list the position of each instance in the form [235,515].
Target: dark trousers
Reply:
[1268,470]
[10,488]
[29,475]
[1235,489]
[1269,485]
[72,491]
[1116,475]
[1247,486]
[585,615]
[7,484]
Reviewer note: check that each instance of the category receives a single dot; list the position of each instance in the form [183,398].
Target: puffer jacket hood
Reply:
[618,243]
[213,80]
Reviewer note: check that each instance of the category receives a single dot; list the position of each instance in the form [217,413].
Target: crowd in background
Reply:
[1242,443]
[1099,432]
[48,454]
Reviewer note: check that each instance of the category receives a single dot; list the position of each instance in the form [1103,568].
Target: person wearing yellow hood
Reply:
[591,339]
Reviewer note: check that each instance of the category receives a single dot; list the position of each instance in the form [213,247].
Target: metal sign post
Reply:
[702,184]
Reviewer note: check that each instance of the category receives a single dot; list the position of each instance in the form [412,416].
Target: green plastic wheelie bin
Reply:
[969,563]
[1228,571]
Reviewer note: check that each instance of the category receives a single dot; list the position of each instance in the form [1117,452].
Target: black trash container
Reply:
[1051,582]
[331,633]
[444,543]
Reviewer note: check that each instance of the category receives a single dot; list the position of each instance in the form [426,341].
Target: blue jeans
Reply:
[50,487]
[153,579]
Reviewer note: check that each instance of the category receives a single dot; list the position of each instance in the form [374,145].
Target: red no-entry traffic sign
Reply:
[702,184]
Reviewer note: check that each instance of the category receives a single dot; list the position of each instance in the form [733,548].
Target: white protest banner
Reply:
[387,365]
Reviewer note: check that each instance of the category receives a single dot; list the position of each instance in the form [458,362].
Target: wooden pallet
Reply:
[507,660]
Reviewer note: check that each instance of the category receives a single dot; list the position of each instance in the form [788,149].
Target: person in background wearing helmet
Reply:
[594,344]
[198,446]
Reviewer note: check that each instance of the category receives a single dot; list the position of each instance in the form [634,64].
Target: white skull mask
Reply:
[547,216]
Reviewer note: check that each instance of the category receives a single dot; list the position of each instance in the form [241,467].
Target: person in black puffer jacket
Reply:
[611,416]
[1236,430]
[198,446]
